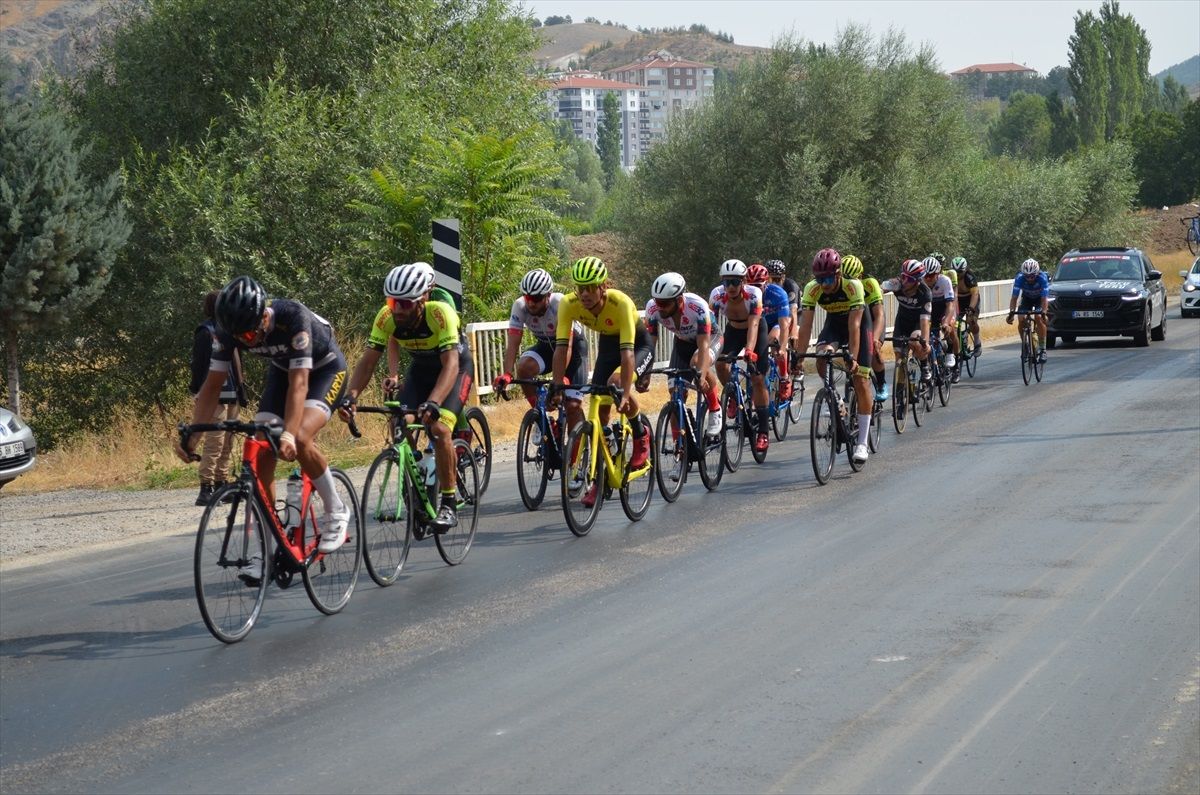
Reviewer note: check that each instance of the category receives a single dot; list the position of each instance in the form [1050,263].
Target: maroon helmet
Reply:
[827,263]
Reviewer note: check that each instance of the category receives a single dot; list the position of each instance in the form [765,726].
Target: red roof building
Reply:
[989,69]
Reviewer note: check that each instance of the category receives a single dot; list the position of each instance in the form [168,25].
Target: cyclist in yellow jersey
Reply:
[624,353]
[437,382]
[852,268]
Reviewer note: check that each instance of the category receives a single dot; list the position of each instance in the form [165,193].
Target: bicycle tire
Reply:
[1193,243]
[972,362]
[780,421]
[670,453]
[533,472]
[635,498]
[900,397]
[481,444]
[387,536]
[1026,358]
[943,385]
[875,435]
[917,386]
[735,429]
[1037,368]
[229,603]
[454,544]
[852,431]
[711,466]
[796,406]
[330,577]
[575,483]
[823,435]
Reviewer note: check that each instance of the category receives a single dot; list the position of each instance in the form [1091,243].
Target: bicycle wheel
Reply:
[1026,358]
[823,435]
[735,429]
[231,565]
[638,488]
[797,403]
[670,453]
[874,435]
[900,397]
[1193,242]
[852,431]
[971,361]
[454,544]
[943,384]
[533,474]
[385,504]
[1037,368]
[917,387]
[480,444]
[329,579]
[780,420]
[576,484]
[711,449]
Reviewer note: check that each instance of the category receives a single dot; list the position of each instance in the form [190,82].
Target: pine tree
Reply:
[59,234]
[608,135]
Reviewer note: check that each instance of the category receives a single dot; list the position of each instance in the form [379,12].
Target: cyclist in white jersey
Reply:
[689,318]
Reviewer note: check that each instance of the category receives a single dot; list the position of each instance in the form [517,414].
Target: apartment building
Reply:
[578,97]
[666,86]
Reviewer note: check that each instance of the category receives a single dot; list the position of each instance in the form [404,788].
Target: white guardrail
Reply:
[487,339]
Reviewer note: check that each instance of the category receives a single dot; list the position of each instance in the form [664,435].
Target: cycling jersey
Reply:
[617,319]
[690,320]
[914,305]
[872,294]
[544,327]
[941,289]
[840,302]
[792,289]
[952,275]
[775,304]
[436,331]
[751,296]
[1039,288]
[296,339]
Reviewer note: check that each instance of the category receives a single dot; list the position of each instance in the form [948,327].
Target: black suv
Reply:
[1107,292]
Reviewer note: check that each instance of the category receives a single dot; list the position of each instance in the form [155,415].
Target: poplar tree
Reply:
[608,139]
[1088,76]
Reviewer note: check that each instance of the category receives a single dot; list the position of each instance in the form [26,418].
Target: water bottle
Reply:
[295,493]
[429,470]
[610,439]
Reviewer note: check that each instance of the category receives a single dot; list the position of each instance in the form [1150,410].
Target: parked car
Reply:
[18,449]
[1189,293]
[1107,292]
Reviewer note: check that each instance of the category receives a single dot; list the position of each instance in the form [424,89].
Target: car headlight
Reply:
[1190,288]
[1133,297]
[1051,298]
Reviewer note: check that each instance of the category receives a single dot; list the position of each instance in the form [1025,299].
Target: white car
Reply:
[18,449]
[1189,294]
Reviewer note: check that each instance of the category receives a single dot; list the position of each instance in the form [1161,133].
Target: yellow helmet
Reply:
[852,267]
[589,270]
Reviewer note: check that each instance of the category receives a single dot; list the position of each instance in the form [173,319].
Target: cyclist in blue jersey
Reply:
[1033,288]
[777,313]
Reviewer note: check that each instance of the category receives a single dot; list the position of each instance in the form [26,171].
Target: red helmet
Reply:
[913,269]
[827,263]
[757,274]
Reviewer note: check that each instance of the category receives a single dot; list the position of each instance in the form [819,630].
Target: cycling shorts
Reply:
[420,379]
[735,340]
[684,350]
[1030,303]
[904,326]
[326,386]
[837,335]
[938,314]
[608,358]
[543,354]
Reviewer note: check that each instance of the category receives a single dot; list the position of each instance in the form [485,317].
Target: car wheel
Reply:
[1069,339]
[1159,334]
[1051,341]
[1142,337]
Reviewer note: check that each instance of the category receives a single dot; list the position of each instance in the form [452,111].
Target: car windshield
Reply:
[1196,266]
[1082,268]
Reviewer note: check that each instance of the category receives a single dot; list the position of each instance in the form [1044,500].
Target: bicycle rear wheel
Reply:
[480,444]
[386,536]
[823,434]
[533,473]
[231,566]
[329,579]
[735,429]
[852,431]
[637,489]
[711,449]
[1193,241]
[576,484]
[971,361]
[670,453]
[795,408]
[454,544]
[943,386]
[875,434]
[1037,367]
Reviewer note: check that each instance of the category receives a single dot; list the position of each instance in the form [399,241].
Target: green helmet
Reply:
[939,256]
[852,267]
[589,270]
[959,263]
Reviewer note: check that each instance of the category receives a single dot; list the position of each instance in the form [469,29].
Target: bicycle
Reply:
[796,404]
[910,389]
[480,440]
[777,407]
[970,356]
[834,418]
[400,491]
[1192,235]
[739,421]
[937,367]
[539,446]
[1031,364]
[679,442]
[599,463]
[231,564]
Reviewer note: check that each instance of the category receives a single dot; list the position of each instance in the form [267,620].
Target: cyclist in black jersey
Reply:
[914,309]
[305,380]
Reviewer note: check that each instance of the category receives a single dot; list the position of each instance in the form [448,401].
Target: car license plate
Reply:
[12,450]
[1088,313]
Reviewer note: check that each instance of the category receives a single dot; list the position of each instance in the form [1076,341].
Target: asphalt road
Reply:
[1005,600]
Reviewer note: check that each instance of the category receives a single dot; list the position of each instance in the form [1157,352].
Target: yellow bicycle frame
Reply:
[614,468]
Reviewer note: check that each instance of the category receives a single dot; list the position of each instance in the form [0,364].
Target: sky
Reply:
[963,32]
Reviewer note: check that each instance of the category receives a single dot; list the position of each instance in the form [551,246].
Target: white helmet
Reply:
[931,265]
[733,269]
[1030,267]
[669,285]
[408,281]
[537,282]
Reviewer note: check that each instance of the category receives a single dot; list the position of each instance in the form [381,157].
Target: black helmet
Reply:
[240,306]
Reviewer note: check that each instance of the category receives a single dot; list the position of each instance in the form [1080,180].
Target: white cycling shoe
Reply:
[333,530]
[712,424]
[860,453]
[950,360]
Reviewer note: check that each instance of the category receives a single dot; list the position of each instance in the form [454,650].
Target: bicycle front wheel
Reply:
[796,406]
[1037,367]
[901,392]
[735,428]
[670,453]
[386,539]
[943,386]
[711,448]
[971,361]
[823,435]
[454,544]
[582,495]
[874,435]
[1026,358]
[1193,241]
[532,471]
[852,431]
[480,444]
[780,419]
[330,577]
[638,486]
[231,565]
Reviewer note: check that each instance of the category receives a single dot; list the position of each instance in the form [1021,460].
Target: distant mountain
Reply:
[610,46]
[1187,73]
[42,34]
[562,44]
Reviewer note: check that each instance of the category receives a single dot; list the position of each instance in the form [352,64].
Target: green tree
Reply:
[1174,96]
[1160,159]
[582,175]
[59,231]
[1088,76]
[1024,128]
[1128,59]
[1064,129]
[608,138]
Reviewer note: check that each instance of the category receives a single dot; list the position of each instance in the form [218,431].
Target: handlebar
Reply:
[842,353]
[534,382]
[271,431]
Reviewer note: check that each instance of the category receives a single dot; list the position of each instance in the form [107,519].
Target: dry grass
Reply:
[1170,265]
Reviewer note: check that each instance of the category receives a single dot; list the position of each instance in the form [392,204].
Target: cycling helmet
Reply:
[932,266]
[409,281]
[939,256]
[1030,267]
[537,282]
[240,306]
[913,268]
[757,274]
[588,271]
[775,267]
[669,285]
[827,263]
[733,269]
[852,267]
[959,263]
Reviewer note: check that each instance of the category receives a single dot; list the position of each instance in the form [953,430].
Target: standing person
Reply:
[218,445]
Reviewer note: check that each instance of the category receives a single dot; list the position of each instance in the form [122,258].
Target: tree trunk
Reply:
[14,371]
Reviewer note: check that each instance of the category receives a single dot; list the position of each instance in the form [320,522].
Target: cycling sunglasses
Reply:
[665,303]
[908,279]
[401,303]
[825,281]
[535,299]
[732,282]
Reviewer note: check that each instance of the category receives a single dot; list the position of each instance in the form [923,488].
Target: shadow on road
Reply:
[98,645]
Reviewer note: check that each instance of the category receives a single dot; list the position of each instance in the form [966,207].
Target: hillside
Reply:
[688,46]
[39,34]
[1187,73]
[562,44]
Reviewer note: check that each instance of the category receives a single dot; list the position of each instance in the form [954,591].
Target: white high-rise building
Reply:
[666,85]
[578,97]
